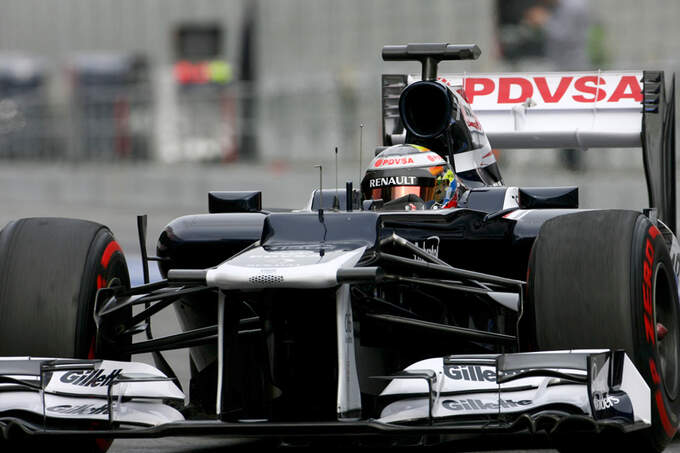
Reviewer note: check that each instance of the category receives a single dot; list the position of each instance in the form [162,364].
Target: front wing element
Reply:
[71,392]
[593,391]
[600,384]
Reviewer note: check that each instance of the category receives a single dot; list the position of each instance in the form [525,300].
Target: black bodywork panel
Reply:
[658,145]
[204,240]
[234,201]
[472,237]
[347,230]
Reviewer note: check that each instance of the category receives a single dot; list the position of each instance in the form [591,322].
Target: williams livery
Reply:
[433,304]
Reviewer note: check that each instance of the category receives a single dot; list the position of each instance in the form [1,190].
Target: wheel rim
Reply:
[666,322]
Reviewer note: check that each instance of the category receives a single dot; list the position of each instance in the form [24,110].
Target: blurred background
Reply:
[115,107]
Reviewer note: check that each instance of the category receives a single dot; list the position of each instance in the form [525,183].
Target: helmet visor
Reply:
[394,192]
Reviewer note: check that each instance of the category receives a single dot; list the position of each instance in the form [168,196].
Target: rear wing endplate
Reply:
[599,109]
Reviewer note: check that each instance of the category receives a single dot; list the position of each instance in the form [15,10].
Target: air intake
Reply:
[426,109]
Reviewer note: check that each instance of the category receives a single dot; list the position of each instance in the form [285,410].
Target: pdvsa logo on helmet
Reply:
[388,162]
[393,181]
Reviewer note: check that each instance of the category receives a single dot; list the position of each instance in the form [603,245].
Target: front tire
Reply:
[604,279]
[50,271]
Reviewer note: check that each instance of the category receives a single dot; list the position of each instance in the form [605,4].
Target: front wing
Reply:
[550,392]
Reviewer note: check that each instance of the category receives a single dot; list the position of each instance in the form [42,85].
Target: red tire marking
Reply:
[647,262]
[670,429]
[112,248]
[101,283]
[649,251]
[661,408]
[649,330]
[653,231]
[655,374]
[91,352]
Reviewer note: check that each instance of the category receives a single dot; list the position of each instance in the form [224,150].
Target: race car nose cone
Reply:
[661,331]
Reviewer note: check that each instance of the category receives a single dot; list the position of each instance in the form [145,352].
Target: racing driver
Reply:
[410,177]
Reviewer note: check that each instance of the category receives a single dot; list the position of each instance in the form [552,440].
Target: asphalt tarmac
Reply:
[114,194]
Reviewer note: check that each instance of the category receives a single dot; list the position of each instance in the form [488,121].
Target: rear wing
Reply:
[599,109]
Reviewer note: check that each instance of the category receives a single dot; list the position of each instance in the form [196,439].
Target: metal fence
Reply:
[105,118]
[318,70]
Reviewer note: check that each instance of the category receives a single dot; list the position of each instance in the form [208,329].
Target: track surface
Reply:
[209,445]
[114,194]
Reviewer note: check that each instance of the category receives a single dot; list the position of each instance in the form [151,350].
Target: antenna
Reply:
[349,196]
[336,199]
[361,148]
[322,252]
[320,167]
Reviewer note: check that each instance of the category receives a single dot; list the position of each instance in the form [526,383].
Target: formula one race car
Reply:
[429,306]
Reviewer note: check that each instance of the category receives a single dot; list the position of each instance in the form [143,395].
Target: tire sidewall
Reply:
[648,252]
[105,265]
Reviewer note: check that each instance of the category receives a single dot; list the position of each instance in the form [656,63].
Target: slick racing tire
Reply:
[50,271]
[604,279]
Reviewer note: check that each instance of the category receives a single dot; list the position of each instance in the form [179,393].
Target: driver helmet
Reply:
[410,171]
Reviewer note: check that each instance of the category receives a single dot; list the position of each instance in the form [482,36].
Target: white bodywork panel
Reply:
[261,268]
[517,396]
[349,394]
[137,392]
[148,413]
[95,382]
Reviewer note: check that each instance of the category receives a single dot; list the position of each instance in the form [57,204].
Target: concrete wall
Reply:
[56,29]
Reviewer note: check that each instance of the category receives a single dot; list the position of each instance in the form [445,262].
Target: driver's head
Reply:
[403,170]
